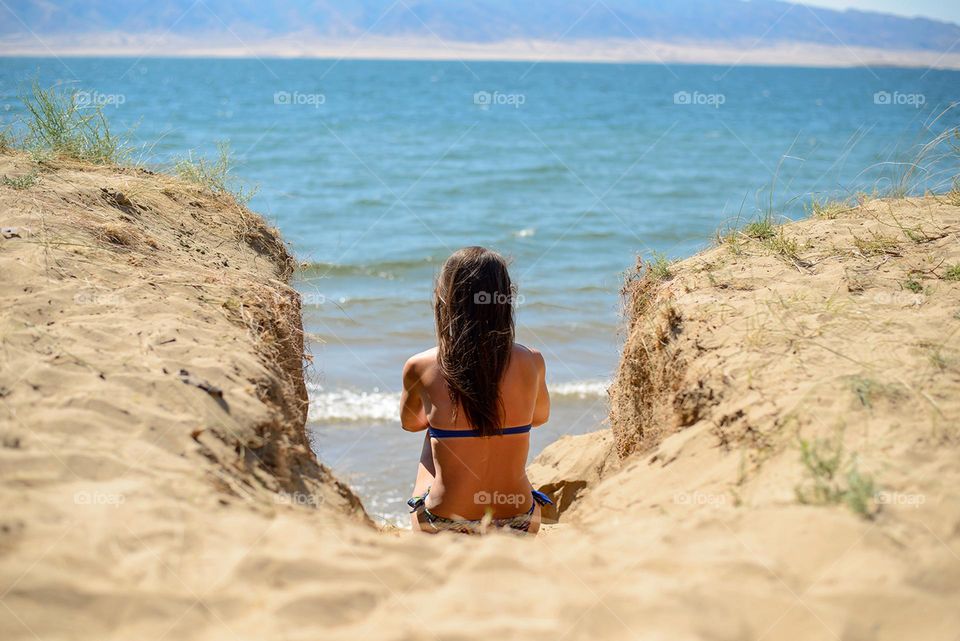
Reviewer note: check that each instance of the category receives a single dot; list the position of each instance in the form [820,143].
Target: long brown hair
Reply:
[475,332]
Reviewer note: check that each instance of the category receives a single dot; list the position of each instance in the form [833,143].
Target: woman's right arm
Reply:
[412,416]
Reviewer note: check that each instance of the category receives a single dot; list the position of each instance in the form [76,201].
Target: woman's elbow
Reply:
[413,428]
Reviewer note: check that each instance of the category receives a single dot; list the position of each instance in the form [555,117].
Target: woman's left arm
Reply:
[541,411]
[412,416]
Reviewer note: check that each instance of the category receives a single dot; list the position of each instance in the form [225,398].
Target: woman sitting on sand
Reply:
[478,394]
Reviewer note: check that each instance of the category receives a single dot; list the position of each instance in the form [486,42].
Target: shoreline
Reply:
[789,54]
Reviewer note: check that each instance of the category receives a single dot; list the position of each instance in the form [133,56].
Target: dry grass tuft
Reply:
[953,196]
[829,209]
[652,369]
[119,235]
[877,245]
[784,246]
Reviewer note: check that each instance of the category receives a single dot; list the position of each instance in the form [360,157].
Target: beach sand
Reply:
[139,503]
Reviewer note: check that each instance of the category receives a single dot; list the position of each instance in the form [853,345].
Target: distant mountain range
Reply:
[725,22]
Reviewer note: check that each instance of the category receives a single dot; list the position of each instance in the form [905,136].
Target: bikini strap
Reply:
[417,502]
[541,498]
[517,430]
[436,432]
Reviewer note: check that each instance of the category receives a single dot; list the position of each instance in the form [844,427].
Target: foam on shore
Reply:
[347,405]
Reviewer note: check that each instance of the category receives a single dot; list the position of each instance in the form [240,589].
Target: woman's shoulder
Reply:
[422,359]
[528,355]
[417,368]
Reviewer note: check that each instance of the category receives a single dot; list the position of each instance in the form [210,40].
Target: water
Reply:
[375,171]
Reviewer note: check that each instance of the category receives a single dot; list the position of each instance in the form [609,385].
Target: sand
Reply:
[141,504]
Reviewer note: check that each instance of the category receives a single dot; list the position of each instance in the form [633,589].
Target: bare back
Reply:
[473,474]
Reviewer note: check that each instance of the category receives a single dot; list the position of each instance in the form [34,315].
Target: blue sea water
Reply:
[376,170]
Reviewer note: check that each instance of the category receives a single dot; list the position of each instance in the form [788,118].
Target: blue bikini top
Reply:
[438,433]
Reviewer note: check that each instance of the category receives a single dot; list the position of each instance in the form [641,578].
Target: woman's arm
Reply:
[541,411]
[412,416]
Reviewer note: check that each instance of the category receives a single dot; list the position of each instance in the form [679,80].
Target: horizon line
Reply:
[627,51]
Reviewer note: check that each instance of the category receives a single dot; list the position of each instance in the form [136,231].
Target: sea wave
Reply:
[580,389]
[346,405]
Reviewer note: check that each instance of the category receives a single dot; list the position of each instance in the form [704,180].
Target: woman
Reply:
[478,394]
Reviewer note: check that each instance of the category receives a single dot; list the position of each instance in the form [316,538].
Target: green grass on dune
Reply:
[59,125]
[213,176]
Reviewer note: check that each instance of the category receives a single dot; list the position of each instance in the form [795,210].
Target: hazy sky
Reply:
[940,9]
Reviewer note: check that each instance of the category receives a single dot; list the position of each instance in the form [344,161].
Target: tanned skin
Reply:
[468,476]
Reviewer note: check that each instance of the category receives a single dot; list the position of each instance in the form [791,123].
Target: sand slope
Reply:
[135,506]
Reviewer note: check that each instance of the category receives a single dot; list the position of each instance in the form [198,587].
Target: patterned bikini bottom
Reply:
[518,523]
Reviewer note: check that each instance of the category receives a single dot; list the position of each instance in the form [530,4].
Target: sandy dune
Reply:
[139,503]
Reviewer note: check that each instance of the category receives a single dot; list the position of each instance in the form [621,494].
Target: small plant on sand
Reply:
[641,284]
[786,247]
[912,285]
[868,391]
[59,125]
[876,245]
[19,182]
[658,267]
[731,240]
[865,389]
[766,232]
[953,196]
[861,493]
[213,176]
[828,209]
[834,478]
[916,233]
[6,140]
[952,273]
[935,355]
[762,229]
